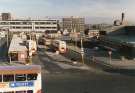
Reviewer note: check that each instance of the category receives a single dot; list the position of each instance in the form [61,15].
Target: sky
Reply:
[94,10]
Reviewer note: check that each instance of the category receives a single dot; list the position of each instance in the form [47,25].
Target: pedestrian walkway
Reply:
[114,63]
[65,63]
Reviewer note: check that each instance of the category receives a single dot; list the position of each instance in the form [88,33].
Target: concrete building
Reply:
[30,25]
[74,23]
[6,16]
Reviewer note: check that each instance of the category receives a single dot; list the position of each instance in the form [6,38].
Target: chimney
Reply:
[122,18]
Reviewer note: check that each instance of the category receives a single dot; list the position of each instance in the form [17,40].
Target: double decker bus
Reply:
[20,79]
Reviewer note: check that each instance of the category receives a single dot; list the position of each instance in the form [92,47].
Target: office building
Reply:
[74,23]
[30,25]
[6,16]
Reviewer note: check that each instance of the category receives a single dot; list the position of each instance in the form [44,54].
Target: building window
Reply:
[20,92]
[8,78]
[8,92]
[54,22]
[48,23]
[30,91]
[36,23]
[18,27]
[32,76]
[20,77]
[12,23]
[27,27]
[37,27]
[42,27]
[42,23]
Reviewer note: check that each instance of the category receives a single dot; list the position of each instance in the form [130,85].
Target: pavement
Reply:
[65,63]
[114,63]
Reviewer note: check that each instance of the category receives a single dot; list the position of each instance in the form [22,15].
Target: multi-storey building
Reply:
[30,25]
[6,16]
[74,23]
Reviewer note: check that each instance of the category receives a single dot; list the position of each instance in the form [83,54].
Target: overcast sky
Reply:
[87,8]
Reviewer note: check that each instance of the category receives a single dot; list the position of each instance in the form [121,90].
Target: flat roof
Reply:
[16,44]
[20,69]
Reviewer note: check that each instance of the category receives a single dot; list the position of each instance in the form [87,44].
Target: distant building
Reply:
[74,23]
[49,25]
[6,16]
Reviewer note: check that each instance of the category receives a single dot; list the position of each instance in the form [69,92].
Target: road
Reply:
[58,80]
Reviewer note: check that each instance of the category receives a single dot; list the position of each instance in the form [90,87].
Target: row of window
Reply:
[46,27]
[28,91]
[28,27]
[27,23]
[18,77]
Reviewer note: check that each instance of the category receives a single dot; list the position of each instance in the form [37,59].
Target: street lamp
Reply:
[82,51]
[110,56]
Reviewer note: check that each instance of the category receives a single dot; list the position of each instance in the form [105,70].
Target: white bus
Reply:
[32,47]
[60,46]
[20,79]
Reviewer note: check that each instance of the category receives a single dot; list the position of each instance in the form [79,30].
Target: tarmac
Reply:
[65,63]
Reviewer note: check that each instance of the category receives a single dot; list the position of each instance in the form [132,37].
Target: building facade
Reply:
[6,16]
[74,23]
[30,25]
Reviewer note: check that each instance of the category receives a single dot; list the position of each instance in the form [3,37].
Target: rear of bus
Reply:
[20,79]
[62,47]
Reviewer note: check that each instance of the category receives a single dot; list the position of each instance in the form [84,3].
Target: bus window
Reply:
[32,77]
[8,78]
[20,77]
[8,92]
[20,92]
[0,78]
[30,91]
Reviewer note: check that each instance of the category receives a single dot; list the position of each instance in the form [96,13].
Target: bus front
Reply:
[19,80]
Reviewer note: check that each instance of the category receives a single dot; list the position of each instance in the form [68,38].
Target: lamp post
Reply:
[82,51]
[7,37]
[110,56]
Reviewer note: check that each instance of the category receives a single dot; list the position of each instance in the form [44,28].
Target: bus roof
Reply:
[21,69]
[17,45]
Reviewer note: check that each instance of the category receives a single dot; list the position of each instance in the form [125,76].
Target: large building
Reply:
[74,23]
[49,25]
[6,16]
